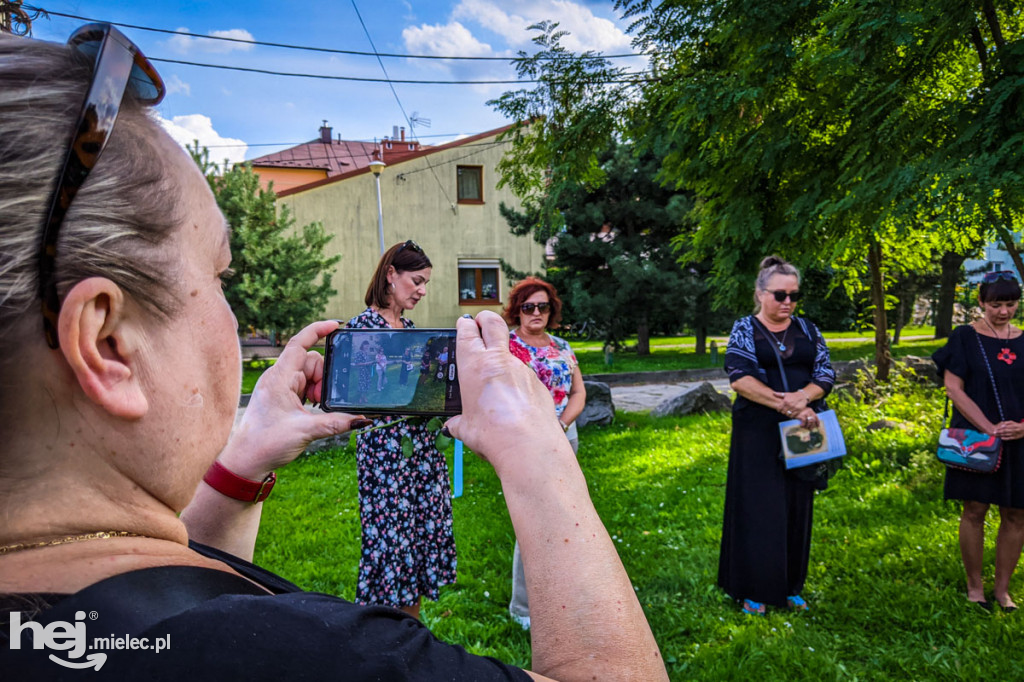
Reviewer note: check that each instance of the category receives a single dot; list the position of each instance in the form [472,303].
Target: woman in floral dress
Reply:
[534,307]
[405,503]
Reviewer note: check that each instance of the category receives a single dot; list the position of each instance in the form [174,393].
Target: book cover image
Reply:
[802,446]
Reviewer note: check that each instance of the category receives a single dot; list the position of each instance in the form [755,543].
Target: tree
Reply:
[282,279]
[573,175]
[831,131]
[561,127]
[628,278]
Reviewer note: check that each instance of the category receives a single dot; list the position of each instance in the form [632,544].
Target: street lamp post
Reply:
[377,166]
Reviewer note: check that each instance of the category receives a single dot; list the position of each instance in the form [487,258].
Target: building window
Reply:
[478,282]
[471,184]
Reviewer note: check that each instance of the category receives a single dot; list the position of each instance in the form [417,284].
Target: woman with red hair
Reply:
[534,308]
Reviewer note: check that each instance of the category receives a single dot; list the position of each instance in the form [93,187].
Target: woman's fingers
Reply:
[452,427]
[309,336]
[467,337]
[493,329]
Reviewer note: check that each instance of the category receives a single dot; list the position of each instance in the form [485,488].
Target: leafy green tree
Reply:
[282,279]
[572,176]
[628,278]
[834,131]
[561,127]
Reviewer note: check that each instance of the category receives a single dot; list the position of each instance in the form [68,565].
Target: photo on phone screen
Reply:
[391,371]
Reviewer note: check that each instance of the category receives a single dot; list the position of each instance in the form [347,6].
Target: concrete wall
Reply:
[420,203]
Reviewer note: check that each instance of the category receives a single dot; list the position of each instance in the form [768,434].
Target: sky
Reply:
[245,115]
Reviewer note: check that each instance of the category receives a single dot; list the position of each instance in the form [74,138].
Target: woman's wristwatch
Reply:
[565,427]
[230,484]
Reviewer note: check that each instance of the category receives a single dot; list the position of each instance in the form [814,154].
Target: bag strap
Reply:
[132,602]
[991,377]
[767,335]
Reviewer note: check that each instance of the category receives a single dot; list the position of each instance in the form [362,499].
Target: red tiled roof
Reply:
[340,156]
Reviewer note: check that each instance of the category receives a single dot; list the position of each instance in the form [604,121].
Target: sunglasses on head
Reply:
[118,67]
[998,275]
[411,245]
[781,296]
[541,308]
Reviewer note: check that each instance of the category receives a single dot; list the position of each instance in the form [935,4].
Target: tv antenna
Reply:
[418,121]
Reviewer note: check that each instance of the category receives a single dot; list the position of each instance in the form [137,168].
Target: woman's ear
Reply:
[391,274]
[100,342]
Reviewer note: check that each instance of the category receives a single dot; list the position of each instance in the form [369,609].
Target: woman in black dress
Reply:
[962,364]
[766,532]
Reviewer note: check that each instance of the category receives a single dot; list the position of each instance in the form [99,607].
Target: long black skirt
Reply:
[766,532]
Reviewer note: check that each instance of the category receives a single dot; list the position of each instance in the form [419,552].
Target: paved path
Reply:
[648,396]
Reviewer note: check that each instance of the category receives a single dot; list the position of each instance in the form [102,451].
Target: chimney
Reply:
[394,132]
[403,133]
[325,133]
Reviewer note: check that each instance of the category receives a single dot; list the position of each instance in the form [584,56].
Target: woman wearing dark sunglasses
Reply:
[534,308]
[766,532]
[982,367]
[121,368]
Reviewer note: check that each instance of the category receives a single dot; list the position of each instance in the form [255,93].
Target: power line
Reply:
[310,48]
[391,84]
[296,144]
[489,145]
[291,74]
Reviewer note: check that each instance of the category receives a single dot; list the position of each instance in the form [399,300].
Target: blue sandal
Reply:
[753,608]
[797,603]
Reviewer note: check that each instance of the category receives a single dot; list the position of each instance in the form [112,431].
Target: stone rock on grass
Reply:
[599,408]
[847,371]
[923,370]
[885,425]
[702,398]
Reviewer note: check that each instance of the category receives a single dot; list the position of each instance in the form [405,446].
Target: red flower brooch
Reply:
[1007,356]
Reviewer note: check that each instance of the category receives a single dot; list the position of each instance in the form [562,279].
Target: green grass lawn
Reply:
[885,584]
[681,356]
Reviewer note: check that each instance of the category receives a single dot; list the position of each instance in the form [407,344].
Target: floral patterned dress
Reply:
[405,506]
[553,365]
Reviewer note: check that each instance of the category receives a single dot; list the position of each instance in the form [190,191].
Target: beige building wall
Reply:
[420,203]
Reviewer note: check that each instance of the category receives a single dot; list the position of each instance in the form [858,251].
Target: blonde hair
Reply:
[770,266]
[128,207]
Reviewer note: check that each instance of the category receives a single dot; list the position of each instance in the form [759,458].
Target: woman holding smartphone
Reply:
[405,503]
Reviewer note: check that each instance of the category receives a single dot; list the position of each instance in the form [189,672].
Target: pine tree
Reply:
[282,279]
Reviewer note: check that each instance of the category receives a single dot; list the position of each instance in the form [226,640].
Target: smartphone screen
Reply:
[391,371]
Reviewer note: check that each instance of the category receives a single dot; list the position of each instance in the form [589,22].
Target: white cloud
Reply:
[450,39]
[186,130]
[187,44]
[176,85]
[587,32]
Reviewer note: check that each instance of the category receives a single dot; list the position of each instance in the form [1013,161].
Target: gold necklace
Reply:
[101,535]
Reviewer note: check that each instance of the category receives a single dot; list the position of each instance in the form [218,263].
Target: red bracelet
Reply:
[228,483]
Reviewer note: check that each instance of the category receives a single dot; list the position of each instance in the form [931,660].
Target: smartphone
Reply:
[391,371]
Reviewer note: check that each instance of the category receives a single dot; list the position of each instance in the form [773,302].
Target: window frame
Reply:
[478,266]
[480,184]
